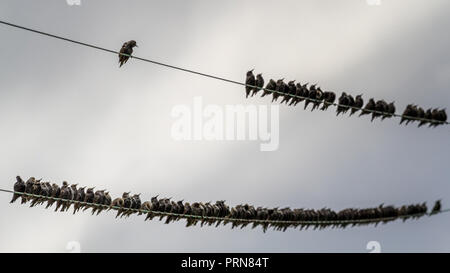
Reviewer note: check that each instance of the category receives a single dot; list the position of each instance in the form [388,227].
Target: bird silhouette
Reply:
[249,80]
[127,48]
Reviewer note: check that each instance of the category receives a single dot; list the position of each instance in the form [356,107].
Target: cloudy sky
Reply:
[68,112]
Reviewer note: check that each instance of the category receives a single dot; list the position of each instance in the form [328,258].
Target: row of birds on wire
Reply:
[292,93]
[37,192]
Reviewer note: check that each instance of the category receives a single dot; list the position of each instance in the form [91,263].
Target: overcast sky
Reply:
[68,112]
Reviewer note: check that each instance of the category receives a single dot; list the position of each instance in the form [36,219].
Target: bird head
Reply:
[132,43]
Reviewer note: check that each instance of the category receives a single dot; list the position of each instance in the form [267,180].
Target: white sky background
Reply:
[69,113]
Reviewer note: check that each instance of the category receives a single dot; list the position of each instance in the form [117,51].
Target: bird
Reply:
[410,111]
[99,196]
[259,84]
[427,116]
[318,99]
[28,189]
[64,194]
[390,111]
[328,99]
[249,80]
[54,194]
[280,88]
[271,85]
[436,207]
[380,107]
[311,94]
[19,186]
[127,48]
[343,104]
[126,203]
[370,106]
[291,90]
[80,196]
[298,95]
[89,198]
[359,102]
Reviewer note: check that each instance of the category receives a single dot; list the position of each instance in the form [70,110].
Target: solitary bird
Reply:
[127,48]
[249,80]
[19,186]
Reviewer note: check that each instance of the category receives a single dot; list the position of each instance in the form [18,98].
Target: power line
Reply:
[238,220]
[216,77]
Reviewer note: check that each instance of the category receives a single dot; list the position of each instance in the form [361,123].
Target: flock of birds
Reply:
[292,93]
[38,192]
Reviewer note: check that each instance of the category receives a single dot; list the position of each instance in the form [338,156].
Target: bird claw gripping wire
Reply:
[37,192]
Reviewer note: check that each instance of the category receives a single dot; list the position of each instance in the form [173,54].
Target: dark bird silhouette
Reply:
[439,117]
[127,48]
[436,208]
[298,92]
[410,111]
[343,102]
[126,203]
[19,186]
[99,196]
[311,94]
[89,198]
[259,83]
[28,189]
[249,80]
[359,102]
[390,111]
[370,106]
[271,85]
[64,194]
[426,116]
[80,196]
[380,107]
[290,91]
[56,191]
[281,88]
[328,99]
[318,99]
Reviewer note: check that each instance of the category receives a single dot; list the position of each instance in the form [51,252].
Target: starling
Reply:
[311,94]
[380,107]
[259,83]
[370,106]
[106,202]
[36,190]
[19,186]
[54,193]
[80,196]
[127,48]
[328,99]
[439,117]
[126,203]
[291,90]
[249,80]
[89,198]
[280,88]
[28,189]
[99,196]
[343,102]
[390,111]
[409,112]
[271,85]
[426,116]
[437,207]
[298,95]
[318,99]
[64,194]
[359,102]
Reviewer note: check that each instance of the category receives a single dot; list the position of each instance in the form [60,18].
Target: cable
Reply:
[227,219]
[215,77]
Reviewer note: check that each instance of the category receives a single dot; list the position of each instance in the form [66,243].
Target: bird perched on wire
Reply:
[344,101]
[127,48]
[271,85]
[370,106]
[28,189]
[359,102]
[328,99]
[259,83]
[426,116]
[380,107]
[291,90]
[437,207]
[19,186]
[281,88]
[318,99]
[249,80]
[54,193]
[390,111]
